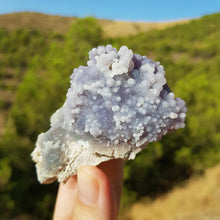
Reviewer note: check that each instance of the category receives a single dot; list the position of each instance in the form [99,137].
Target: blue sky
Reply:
[136,10]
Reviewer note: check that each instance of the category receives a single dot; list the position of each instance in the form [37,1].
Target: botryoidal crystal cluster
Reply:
[115,106]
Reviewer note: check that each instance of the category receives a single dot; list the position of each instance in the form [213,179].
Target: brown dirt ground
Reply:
[199,199]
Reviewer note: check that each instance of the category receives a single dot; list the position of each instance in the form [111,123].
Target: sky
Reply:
[135,10]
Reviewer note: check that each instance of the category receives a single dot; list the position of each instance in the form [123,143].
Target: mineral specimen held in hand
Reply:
[115,106]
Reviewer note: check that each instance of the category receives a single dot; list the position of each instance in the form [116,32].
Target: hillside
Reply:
[59,24]
[199,199]
[47,24]
[37,21]
[35,66]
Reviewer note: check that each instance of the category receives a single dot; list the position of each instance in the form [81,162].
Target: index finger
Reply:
[66,199]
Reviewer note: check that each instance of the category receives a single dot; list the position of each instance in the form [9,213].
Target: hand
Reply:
[94,193]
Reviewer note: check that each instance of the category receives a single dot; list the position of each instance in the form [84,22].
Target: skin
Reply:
[94,193]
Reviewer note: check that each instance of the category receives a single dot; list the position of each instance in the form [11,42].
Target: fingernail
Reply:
[88,187]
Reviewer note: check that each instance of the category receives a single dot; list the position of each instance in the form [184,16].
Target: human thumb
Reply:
[99,190]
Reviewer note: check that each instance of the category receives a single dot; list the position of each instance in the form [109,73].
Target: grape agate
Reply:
[115,106]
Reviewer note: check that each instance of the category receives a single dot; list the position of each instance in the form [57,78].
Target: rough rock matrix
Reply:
[115,106]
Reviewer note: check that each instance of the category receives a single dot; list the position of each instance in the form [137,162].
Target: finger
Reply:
[66,199]
[99,191]
[114,169]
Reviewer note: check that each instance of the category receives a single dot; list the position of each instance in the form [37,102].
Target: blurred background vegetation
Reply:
[35,68]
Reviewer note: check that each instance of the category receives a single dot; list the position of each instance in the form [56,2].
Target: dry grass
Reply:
[124,28]
[198,200]
[59,24]
[38,21]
